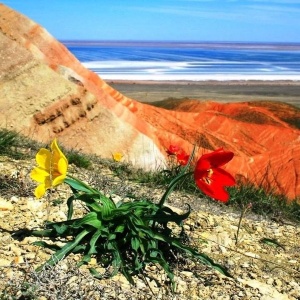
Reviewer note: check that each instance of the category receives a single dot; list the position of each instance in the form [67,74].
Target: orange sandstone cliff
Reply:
[45,92]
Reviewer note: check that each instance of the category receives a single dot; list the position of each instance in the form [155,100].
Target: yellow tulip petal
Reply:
[40,191]
[56,150]
[39,174]
[62,165]
[54,146]
[43,158]
[58,180]
[117,156]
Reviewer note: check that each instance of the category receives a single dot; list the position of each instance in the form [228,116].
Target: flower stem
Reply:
[239,226]
[171,187]
[244,210]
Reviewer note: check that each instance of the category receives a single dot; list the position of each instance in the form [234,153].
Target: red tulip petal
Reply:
[202,165]
[220,194]
[222,177]
[204,187]
[183,158]
[217,158]
[173,150]
[213,190]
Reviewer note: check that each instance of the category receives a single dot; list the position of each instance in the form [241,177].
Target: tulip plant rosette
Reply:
[125,235]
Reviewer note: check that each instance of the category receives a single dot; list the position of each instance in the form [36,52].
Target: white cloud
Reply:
[277,1]
[187,11]
[274,9]
[248,11]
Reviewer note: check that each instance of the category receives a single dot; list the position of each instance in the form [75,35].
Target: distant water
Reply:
[188,61]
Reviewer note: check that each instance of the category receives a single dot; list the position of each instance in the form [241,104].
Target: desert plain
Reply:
[219,91]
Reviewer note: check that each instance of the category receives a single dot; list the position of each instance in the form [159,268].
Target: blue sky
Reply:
[173,20]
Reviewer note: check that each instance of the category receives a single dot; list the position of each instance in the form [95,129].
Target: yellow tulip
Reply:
[52,169]
[117,156]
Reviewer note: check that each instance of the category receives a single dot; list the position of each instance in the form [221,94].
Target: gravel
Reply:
[260,270]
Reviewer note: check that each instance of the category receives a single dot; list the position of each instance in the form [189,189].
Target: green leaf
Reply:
[138,265]
[118,262]
[120,228]
[46,245]
[166,214]
[94,240]
[131,208]
[85,259]
[66,249]
[95,273]
[107,207]
[202,257]
[60,229]
[272,242]
[135,243]
[79,248]
[43,233]
[70,207]
[171,187]
[99,203]
[90,219]
[78,185]
[136,205]
[141,228]
[111,237]
[91,201]
[156,256]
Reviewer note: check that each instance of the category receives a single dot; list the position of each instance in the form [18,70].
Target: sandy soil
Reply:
[223,91]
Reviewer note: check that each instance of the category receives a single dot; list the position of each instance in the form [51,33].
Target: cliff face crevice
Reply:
[45,92]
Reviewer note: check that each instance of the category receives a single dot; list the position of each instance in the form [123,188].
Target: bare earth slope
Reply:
[45,92]
[266,146]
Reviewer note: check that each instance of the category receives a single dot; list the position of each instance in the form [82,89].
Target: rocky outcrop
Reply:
[45,92]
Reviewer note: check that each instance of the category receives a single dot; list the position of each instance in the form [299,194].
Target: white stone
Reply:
[5,205]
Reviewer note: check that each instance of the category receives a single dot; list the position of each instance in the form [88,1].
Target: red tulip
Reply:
[173,150]
[210,178]
[182,158]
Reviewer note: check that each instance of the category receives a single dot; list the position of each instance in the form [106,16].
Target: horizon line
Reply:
[240,44]
[175,41]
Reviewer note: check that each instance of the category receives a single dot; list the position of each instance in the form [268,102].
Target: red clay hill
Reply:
[45,92]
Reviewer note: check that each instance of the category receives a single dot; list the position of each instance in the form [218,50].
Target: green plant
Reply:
[26,291]
[15,145]
[125,235]
[57,202]
[263,202]
[78,159]
[7,139]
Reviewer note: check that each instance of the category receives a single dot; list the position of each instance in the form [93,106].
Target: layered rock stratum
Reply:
[45,92]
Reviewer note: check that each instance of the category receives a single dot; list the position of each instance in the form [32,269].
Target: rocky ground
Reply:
[260,270]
